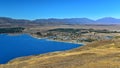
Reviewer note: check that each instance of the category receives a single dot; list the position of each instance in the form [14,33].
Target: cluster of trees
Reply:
[11,30]
[67,30]
[82,30]
[39,33]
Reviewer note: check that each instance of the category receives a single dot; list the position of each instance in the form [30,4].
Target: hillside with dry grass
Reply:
[102,54]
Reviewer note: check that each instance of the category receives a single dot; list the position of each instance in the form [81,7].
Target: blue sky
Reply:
[35,9]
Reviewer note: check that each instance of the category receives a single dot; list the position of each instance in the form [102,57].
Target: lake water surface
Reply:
[24,45]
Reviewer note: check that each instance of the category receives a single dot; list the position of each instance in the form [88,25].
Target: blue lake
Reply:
[24,45]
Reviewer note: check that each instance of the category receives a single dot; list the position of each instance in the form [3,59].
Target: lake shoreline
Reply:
[11,34]
[73,42]
[39,37]
[59,41]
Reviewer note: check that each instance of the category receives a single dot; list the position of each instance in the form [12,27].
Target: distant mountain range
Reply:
[108,20]
[53,21]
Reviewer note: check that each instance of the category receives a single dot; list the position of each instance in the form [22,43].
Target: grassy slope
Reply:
[103,54]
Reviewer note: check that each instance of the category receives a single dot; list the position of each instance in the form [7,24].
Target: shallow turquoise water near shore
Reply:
[24,45]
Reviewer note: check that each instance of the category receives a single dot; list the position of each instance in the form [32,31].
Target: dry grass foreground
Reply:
[102,54]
